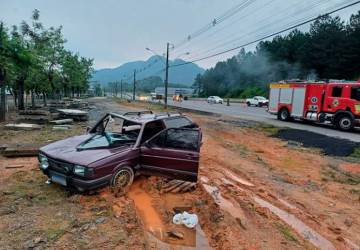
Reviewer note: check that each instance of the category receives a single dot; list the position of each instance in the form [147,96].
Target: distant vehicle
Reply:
[258,101]
[336,102]
[120,146]
[214,99]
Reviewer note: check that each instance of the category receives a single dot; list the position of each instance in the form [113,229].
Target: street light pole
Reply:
[166,75]
[134,85]
[121,89]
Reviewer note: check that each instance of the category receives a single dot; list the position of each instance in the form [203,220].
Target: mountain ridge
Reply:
[154,66]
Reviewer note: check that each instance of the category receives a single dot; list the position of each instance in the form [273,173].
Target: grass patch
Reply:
[355,192]
[42,136]
[54,234]
[333,173]
[286,232]
[268,129]
[355,153]
[241,149]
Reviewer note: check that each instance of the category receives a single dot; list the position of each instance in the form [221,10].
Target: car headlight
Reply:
[79,170]
[44,163]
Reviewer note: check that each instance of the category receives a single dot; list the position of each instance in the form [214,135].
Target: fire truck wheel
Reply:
[284,115]
[344,122]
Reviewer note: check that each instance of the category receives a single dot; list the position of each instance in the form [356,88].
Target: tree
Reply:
[98,89]
[329,50]
[4,68]
[33,60]
[23,59]
[353,47]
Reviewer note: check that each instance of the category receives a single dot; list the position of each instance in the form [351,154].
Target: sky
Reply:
[113,32]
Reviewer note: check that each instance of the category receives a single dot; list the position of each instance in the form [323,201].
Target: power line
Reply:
[267,36]
[228,25]
[264,27]
[229,13]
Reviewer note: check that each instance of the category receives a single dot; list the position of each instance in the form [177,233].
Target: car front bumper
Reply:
[75,182]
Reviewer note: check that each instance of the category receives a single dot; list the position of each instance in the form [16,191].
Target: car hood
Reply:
[66,150]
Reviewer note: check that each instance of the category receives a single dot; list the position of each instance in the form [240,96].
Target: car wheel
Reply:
[344,122]
[284,115]
[122,179]
[248,104]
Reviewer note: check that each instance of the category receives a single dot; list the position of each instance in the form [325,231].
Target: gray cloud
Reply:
[113,32]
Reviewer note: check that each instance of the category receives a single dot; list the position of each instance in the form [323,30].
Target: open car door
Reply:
[172,153]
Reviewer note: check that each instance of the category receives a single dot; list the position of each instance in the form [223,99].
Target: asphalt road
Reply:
[239,110]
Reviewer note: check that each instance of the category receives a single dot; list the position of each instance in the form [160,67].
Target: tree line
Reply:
[34,61]
[330,49]
[145,85]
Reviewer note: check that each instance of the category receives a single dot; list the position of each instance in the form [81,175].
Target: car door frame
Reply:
[153,158]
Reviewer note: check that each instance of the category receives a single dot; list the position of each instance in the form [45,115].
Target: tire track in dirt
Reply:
[221,184]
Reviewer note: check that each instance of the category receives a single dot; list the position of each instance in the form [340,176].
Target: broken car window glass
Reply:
[182,139]
[178,122]
[115,131]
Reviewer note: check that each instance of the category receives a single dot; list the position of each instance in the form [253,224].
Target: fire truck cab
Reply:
[336,102]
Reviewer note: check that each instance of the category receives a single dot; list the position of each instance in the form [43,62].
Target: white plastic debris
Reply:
[177,219]
[189,220]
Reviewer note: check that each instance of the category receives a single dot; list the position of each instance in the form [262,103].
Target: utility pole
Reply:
[134,85]
[166,74]
[116,88]
[121,89]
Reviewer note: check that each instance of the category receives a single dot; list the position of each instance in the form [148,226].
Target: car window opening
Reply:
[113,131]
[182,139]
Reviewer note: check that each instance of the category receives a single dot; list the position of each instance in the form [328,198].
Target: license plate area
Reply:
[58,179]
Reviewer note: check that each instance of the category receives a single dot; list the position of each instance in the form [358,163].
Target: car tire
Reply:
[344,122]
[248,104]
[122,179]
[284,115]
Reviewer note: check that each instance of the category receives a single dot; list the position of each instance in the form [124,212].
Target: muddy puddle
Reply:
[299,226]
[157,229]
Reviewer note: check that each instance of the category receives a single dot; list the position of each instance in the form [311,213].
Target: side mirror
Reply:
[88,129]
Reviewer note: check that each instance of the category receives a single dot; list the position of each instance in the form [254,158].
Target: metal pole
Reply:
[134,85]
[166,75]
[121,89]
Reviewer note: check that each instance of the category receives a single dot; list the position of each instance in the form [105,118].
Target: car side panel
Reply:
[171,162]
[110,164]
[170,158]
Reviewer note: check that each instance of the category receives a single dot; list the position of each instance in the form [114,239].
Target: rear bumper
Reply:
[80,184]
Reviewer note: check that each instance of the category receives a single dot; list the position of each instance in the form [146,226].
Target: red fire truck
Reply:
[335,102]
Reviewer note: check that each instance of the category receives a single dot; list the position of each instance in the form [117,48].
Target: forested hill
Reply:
[152,67]
[329,50]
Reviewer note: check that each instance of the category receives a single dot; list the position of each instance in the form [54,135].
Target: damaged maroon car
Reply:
[120,146]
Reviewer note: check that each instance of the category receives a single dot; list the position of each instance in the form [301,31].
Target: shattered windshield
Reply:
[112,132]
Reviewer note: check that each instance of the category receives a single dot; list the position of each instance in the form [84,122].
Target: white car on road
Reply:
[214,99]
[258,101]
